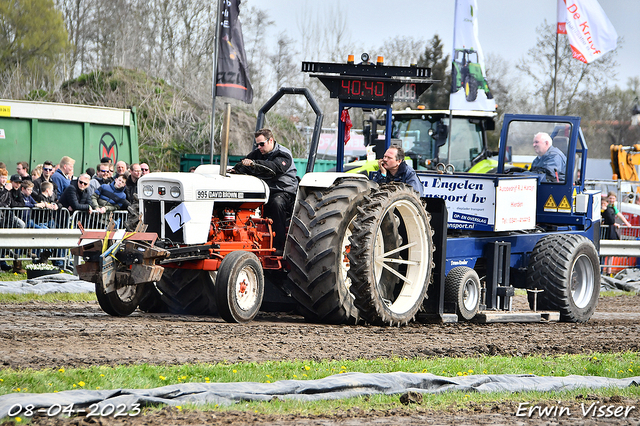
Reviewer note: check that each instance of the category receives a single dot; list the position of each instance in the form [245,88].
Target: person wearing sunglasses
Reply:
[78,197]
[144,167]
[274,164]
[47,172]
[102,176]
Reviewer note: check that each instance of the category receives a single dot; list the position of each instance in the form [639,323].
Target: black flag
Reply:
[232,79]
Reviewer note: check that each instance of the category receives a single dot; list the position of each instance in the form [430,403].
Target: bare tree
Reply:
[573,76]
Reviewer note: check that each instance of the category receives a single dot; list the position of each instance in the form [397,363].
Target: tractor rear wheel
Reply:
[316,250]
[239,287]
[390,278]
[566,267]
[187,291]
[121,302]
[471,88]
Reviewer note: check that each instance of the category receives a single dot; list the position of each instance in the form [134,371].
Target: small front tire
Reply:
[462,286]
[239,287]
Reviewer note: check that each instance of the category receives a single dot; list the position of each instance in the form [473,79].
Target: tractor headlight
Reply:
[175,191]
[147,190]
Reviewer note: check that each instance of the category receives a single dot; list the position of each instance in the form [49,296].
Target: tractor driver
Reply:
[393,168]
[550,161]
[273,163]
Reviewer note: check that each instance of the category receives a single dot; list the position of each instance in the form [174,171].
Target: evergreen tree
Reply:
[437,97]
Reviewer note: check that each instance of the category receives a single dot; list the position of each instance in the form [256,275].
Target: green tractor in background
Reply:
[467,74]
[424,136]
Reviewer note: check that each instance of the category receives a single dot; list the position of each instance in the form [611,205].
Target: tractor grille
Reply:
[153,219]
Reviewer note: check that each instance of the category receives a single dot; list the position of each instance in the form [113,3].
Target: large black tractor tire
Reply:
[187,291]
[121,302]
[462,287]
[239,287]
[151,300]
[316,248]
[566,267]
[372,256]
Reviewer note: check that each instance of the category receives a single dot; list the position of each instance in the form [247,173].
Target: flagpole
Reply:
[216,44]
[555,77]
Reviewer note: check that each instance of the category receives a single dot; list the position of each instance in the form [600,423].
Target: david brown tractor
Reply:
[356,251]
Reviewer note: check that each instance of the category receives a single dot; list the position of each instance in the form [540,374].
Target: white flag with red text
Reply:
[469,87]
[590,32]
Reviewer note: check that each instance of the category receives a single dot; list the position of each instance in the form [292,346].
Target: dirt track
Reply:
[39,335]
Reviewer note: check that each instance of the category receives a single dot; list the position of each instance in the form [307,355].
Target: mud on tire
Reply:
[316,246]
[567,269]
[381,301]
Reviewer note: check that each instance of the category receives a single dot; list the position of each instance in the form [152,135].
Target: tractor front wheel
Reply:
[239,287]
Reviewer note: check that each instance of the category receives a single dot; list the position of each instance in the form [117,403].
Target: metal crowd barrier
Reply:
[25,232]
[616,255]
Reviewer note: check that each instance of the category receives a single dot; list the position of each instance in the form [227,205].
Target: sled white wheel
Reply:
[566,267]
[239,287]
[462,286]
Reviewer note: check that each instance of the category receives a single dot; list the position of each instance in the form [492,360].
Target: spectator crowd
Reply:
[36,199]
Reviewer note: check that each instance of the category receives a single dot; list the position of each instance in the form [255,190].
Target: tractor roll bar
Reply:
[313,149]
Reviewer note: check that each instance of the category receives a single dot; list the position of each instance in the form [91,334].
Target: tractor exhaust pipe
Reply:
[224,147]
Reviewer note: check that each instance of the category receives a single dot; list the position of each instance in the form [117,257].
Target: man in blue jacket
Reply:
[393,168]
[550,161]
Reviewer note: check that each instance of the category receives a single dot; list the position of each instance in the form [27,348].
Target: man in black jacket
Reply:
[77,195]
[273,163]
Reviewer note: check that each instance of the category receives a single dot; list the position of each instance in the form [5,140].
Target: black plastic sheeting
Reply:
[333,387]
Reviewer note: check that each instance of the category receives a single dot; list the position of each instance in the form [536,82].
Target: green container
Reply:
[39,131]
[194,160]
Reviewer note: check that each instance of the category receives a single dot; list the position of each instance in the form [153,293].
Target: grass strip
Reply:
[144,376]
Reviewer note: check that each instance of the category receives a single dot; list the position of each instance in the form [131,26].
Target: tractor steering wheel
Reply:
[257,170]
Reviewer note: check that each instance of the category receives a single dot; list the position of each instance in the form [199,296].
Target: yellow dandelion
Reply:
[81,383]
[268,375]
[484,371]
[235,371]
[97,387]
[459,373]
[470,371]
[61,370]
[268,381]
[74,385]
[343,367]
[17,389]
[162,378]
[102,375]
[424,370]
[304,375]
[185,377]
[631,369]
[18,419]
[306,367]
[179,407]
[1,380]
[295,377]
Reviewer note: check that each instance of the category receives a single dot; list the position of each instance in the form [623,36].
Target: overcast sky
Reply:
[506,27]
